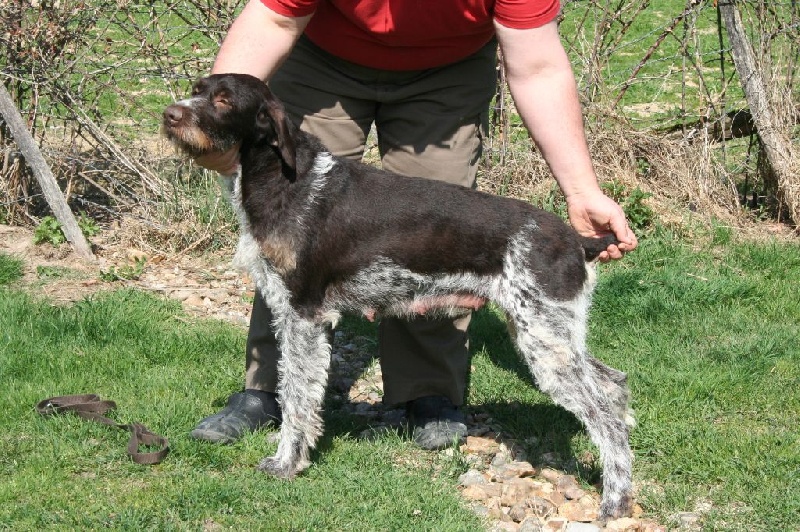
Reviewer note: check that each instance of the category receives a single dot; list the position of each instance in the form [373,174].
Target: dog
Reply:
[323,236]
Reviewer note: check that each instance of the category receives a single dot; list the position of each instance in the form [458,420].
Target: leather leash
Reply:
[91,407]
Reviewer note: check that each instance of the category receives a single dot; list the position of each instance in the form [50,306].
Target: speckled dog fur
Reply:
[322,236]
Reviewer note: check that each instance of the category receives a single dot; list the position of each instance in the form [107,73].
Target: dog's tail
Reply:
[592,247]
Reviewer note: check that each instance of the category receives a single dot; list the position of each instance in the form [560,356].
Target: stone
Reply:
[471,478]
[194,301]
[582,527]
[521,469]
[478,430]
[497,514]
[652,527]
[565,482]
[588,500]
[513,471]
[687,519]
[550,474]
[574,493]
[481,492]
[481,417]
[576,511]
[500,459]
[541,507]
[555,524]
[517,513]
[480,510]
[625,524]
[510,495]
[480,445]
[531,524]
[475,493]
[555,497]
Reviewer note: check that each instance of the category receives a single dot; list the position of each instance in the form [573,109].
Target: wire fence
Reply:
[91,77]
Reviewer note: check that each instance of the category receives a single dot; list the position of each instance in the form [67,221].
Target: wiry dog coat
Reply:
[323,236]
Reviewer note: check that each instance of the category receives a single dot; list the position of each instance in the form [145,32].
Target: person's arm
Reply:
[543,87]
[257,43]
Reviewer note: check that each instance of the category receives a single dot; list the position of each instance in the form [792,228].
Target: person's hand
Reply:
[594,214]
[224,162]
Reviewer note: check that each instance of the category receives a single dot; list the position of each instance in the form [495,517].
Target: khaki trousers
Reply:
[430,123]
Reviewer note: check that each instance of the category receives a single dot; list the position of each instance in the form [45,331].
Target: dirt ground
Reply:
[206,286]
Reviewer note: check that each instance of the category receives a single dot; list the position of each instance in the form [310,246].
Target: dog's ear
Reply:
[272,126]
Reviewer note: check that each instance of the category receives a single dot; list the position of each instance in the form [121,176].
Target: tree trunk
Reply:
[43,174]
[776,144]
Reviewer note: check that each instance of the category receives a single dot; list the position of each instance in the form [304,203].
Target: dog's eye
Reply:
[221,101]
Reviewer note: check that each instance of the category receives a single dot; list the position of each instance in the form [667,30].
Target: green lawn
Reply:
[709,337]
[708,334]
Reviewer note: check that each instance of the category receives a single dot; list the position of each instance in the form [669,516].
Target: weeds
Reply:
[54,272]
[640,215]
[51,232]
[88,226]
[129,272]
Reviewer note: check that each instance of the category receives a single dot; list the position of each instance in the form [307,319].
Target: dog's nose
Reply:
[173,114]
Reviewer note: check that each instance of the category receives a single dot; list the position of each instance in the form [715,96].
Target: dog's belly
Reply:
[386,289]
[440,306]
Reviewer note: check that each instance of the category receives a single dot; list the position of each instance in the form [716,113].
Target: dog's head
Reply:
[226,110]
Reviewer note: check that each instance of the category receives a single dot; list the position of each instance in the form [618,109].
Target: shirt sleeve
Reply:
[525,14]
[292,8]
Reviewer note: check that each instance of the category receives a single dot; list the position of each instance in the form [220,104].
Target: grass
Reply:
[711,336]
[707,333]
[167,371]
[708,336]
[10,269]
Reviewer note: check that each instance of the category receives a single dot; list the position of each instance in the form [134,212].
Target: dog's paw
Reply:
[272,466]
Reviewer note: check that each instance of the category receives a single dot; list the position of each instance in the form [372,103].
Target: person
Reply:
[424,74]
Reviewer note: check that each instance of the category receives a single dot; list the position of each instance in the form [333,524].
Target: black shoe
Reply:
[436,422]
[245,412]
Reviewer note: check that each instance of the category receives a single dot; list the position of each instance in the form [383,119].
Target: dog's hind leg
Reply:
[303,372]
[551,341]
[615,385]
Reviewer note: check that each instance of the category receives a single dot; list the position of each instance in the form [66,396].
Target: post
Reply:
[43,174]
[776,144]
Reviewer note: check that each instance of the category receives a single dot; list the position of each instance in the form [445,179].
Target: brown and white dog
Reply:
[322,236]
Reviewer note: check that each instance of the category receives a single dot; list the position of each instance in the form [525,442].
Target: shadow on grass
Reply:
[500,385]
[544,430]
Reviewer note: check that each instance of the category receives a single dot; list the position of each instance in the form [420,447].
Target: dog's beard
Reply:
[193,142]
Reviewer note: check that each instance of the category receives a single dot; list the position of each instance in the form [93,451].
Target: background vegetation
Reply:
[665,111]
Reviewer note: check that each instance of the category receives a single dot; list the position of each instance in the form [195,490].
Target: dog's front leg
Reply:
[303,375]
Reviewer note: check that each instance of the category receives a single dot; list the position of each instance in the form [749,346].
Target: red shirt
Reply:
[410,34]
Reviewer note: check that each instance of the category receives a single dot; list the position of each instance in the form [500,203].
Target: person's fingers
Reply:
[614,252]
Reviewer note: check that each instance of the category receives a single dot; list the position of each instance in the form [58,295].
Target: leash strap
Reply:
[91,407]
